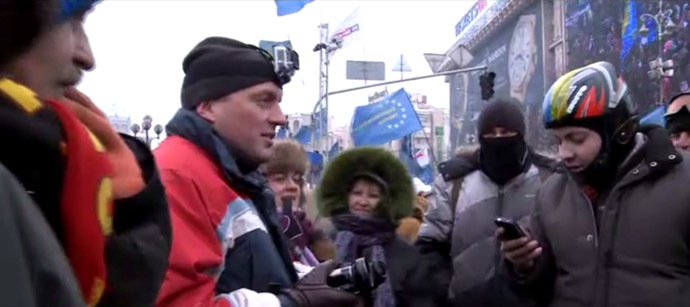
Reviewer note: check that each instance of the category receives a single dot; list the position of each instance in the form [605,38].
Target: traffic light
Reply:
[486,82]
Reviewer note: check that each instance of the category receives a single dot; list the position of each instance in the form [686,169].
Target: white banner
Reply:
[349,29]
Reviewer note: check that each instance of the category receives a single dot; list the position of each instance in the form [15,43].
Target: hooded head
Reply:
[285,171]
[373,165]
[501,131]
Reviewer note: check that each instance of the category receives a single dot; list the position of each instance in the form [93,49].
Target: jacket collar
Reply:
[189,125]
[653,155]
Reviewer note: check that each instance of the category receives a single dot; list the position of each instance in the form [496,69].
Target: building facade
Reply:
[530,43]
[121,123]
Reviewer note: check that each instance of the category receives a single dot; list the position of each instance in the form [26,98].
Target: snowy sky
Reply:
[139,46]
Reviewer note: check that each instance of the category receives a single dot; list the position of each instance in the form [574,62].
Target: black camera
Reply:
[361,276]
[286,62]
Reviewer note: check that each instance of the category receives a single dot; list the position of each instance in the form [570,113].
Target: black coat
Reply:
[413,282]
[410,277]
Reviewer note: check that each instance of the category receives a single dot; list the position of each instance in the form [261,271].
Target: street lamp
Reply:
[659,69]
[146,126]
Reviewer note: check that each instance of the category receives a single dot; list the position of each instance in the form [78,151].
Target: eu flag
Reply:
[389,119]
[287,7]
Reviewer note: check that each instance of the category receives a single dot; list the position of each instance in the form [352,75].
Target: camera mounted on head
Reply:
[285,61]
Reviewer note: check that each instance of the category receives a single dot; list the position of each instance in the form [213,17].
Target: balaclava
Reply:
[502,158]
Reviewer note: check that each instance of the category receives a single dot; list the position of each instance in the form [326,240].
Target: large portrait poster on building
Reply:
[514,53]
[618,32]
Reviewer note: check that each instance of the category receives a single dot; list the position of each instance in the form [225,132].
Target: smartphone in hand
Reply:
[511,228]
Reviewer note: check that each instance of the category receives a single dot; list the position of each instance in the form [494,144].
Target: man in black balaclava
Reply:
[503,153]
[499,179]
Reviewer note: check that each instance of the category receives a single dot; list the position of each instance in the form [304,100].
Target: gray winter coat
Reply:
[35,271]
[639,255]
[465,237]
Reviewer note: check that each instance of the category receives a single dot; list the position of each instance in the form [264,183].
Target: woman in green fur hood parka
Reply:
[365,192]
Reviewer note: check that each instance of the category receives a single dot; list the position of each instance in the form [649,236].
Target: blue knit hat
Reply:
[70,8]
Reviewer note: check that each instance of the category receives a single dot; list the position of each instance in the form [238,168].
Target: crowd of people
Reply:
[219,214]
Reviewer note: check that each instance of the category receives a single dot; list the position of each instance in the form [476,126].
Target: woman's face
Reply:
[286,185]
[364,197]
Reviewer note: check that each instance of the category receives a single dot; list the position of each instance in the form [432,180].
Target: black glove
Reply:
[312,290]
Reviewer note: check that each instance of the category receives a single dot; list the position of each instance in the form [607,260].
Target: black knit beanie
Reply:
[501,113]
[220,66]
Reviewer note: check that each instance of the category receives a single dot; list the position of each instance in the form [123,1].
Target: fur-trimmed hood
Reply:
[332,192]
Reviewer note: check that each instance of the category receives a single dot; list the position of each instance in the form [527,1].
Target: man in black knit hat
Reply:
[498,180]
[228,246]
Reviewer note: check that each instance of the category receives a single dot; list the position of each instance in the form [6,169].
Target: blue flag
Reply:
[389,119]
[303,135]
[656,117]
[287,7]
[316,167]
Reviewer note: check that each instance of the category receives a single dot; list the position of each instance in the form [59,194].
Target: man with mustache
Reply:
[97,193]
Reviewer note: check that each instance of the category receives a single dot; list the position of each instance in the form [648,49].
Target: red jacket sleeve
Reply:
[196,250]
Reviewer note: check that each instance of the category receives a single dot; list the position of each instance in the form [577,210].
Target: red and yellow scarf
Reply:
[99,168]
